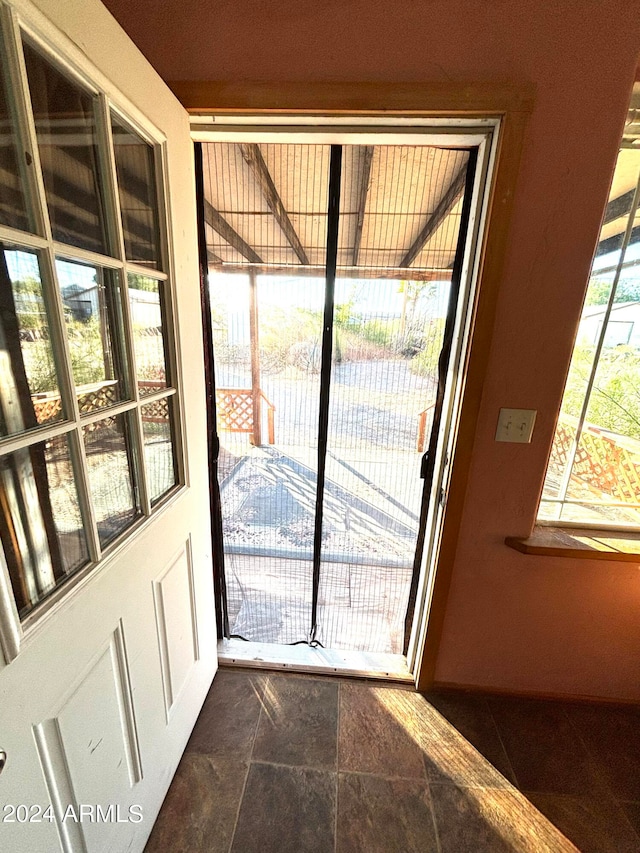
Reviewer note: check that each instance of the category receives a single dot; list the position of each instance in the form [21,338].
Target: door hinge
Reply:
[442,497]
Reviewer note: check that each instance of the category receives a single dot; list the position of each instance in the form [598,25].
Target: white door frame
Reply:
[392,130]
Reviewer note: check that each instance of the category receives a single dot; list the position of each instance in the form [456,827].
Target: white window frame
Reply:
[40,240]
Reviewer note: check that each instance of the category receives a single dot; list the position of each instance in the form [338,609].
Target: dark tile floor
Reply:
[284,762]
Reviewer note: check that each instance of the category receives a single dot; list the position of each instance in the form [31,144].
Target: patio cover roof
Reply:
[400,207]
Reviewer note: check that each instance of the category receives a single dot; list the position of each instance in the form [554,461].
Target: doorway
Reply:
[336,288]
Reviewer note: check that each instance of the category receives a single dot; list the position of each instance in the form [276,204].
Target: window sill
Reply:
[582,544]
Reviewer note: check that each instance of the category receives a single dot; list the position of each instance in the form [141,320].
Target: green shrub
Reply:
[425,362]
[615,398]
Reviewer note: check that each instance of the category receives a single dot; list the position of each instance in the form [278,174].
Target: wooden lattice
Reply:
[99,395]
[156,412]
[606,464]
[149,386]
[47,408]
[235,411]
[91,398]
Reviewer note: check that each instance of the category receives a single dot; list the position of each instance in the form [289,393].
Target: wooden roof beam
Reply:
[618,207]
[254,159]
[443,209]
[363,191]
[319,271]
[614,243]
[222,227]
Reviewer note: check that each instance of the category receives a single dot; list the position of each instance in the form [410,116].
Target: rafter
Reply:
[319,271]
[253,156]
[363,190]
[618,207]
[612,244]
[222,227]
[443,209]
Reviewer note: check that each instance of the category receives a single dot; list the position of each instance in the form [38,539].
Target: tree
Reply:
[615,398]
[628,290]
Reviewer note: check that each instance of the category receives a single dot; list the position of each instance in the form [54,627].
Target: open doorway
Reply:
[336,296]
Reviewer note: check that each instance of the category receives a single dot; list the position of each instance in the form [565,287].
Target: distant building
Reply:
[623,328]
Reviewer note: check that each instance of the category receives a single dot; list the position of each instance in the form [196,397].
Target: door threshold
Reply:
[303,658]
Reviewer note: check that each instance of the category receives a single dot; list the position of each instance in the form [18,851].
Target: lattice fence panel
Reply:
[90,399]
[47,409]
[607,465]
[97,398]
[235,409]
[156,412]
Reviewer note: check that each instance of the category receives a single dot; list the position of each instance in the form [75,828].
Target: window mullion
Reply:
[21,238]
[573,450]
[73,253]
[110,184]
[138,269]
[172,353]
[111,412]
[11,443]
[144,497]
[116,234]
[79,461]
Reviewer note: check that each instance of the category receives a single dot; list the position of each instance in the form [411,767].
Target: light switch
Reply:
[516,425]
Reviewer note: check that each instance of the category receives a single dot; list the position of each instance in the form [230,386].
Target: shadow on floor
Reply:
[296,763]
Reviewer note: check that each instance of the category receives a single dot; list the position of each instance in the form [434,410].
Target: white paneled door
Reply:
[107,622]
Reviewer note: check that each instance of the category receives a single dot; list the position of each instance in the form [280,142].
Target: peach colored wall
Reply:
[513,622]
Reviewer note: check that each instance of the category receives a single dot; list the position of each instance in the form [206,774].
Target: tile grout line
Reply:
[504,748]
[386,776]
[434,820]
[249,763]
[431,804]
[593,760]
[427,787]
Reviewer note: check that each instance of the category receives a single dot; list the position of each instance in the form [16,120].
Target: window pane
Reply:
[584,352]
[606,473]
[29,393]
[67,140]
[148,321]
[40,522]
[594,474]
[111,479]
[13,210]
[93,313]
[625,177]
[138,197]
[159,447]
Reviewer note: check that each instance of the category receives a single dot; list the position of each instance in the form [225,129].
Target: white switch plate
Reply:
[516,425]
